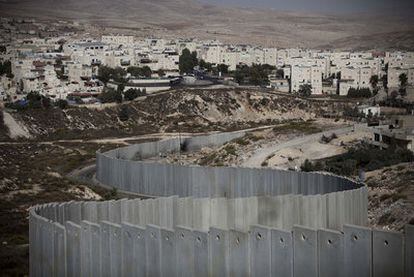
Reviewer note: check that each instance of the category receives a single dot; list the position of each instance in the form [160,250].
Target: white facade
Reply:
[77,72]
[394,76]
[311,75]
[118,39]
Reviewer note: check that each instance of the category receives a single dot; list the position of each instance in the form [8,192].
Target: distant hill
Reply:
[188,18]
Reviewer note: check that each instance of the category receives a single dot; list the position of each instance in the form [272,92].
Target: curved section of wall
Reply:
[121,168]
[207,221]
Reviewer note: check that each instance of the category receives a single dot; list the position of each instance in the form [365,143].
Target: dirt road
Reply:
[260,155]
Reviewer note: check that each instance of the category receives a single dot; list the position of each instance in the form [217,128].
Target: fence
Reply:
[103,239]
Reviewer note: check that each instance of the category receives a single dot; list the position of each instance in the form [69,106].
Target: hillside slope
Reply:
[183,110]
[193,19]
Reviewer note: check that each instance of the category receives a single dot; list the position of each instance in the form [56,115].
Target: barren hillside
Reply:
[182,110]
[189,18]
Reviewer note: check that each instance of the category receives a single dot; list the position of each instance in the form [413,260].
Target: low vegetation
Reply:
[39,177]
[359,93]
[131,94]
[306,127]
[364,157]
[256,74]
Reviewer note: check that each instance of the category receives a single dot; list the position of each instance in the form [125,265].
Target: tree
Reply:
[131,94]
[3,126]
[239,77]
[123,113]
[36,100]
[280,73]
[5,68]
[187,61]
[106,73]
[306,166]
[110,96]
[256,74]
[359,93]
[394,94]
[205,65]
[305,90]
[338,75]
[2,49]
[403,80]
[62,104]
[146,72]
[403,83]
[374,83]
[223,68]
[161,73]
[384,80]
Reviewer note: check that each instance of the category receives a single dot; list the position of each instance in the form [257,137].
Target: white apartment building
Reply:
[323,63]
[93,48]
[231,58]
[282,56]
[118,40]
[311,75]
[352,77]
[270,56]
[394,77]
[213,54]
[78,72]
[118,58]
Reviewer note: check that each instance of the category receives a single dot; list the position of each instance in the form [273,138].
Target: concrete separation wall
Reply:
[138,248]
[209,221]
[122,168]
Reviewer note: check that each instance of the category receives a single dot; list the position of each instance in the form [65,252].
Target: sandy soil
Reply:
[16,129]
[293,157]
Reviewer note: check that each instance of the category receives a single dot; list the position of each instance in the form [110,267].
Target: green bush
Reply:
[123,113]
[359,93]
[242,141]
[230,149]
[106,73]
[256,75]
[110,96]
[61,103]
[364,156]
[131,94]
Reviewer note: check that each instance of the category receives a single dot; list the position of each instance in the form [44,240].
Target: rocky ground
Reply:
[33,173]
[391,189]
[391,196]
[236,152]
[35,170]
[178,110]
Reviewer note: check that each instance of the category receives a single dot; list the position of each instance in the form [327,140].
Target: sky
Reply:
[326,6]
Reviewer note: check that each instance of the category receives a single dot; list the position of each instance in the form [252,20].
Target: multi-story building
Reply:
[118,40]
[302,75]
[394,76]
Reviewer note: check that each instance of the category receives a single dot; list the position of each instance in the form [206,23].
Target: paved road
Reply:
[260,155]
